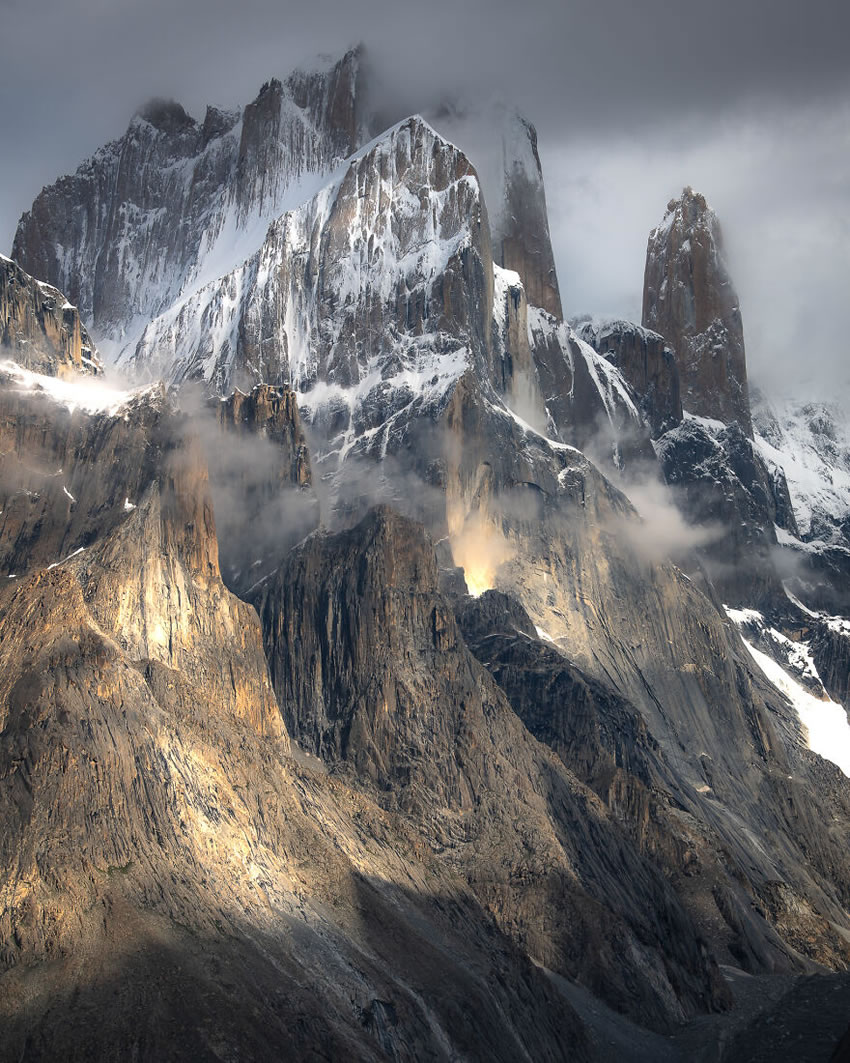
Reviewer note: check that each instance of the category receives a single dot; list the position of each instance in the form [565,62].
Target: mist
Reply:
[662,533]
[259,513]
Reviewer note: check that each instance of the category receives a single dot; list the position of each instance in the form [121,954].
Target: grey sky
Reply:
[748,101]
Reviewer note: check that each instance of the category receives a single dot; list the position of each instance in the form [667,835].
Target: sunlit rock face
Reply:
[494,728]
[39,329]
[119,497]
[689,298]
[374,677]
[158,839]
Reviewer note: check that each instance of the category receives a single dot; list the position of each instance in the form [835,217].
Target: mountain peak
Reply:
[166,115]
[689,298]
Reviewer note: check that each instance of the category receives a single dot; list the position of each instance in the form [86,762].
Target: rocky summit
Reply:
[391,669]
[688,297]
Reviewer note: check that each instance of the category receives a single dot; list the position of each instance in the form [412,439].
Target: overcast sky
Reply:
[747,101]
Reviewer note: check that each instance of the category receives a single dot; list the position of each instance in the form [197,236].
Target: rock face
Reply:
[647,363]
[149,216]
[148,569]
[604,740]
[261,481]
[39,329]
[173,879]
[544,526]
[558,384]
[68,475]
[374,678]
[689,298]
[721,483]
[519,218]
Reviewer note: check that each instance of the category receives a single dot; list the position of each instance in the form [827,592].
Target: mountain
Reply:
[39,329]
[647,363]
[689,298]
[398,671]
[151,216]
[809,440]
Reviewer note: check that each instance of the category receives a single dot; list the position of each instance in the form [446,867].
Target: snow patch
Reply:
[811,443]
[825,721]
[83,393]
[64,559]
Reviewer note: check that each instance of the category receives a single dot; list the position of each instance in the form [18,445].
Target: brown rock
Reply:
[39,329]
[520,222]
[689,298]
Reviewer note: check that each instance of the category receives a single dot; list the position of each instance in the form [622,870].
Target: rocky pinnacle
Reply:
[689,298]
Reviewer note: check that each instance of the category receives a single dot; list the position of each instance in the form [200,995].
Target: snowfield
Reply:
[825,721]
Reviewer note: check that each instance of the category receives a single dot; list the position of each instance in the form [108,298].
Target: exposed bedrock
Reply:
[689,298]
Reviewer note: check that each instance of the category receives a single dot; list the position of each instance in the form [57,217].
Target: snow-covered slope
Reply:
[175,203]
[87,393]
[587,400]
[371,297]
[827,729]
[811,441]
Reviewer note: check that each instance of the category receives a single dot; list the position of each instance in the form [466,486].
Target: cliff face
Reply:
[374,677]
[720,482]
[539,522]
[138,537]
[261,480]
[559,385]
[519,218]
[39,329]
[647,363]
[601,737]
[689,298]
[158,840]
[151,215]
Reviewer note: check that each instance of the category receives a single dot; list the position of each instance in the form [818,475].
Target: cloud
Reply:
[662,533]
[480,549]
[259,513]
[779,180]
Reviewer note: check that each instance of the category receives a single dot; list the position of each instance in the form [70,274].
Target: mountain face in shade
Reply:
[39,329]
[520,223]
[647,363]
[689,298]
[149,217]
[398,672]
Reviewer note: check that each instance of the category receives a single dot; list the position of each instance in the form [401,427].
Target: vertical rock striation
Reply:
[519,218]
[175,203]
[39,328]
[689,298]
